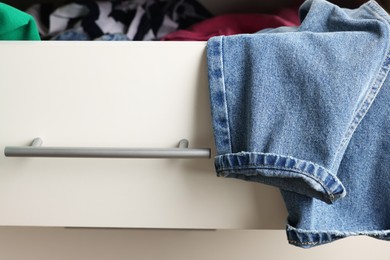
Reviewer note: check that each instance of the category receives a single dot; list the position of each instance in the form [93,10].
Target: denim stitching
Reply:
[270,154]
[313,176]
[375,88]
[334,235]
[324,186]
[305,243]
[337,233]
[295,242]
[377,10]
[225,94]
[365,106]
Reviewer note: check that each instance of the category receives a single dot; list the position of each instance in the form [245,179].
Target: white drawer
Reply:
[116,94]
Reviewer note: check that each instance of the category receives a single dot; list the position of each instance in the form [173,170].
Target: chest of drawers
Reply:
[116,94]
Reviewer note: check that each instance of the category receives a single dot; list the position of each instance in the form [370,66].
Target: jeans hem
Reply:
[285,172]
[218,98]
[310,238]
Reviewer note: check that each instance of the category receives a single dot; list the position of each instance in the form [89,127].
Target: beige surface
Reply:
[90,244]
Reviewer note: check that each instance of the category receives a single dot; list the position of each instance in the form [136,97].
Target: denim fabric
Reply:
[294,107]
[77,35]
[71,35]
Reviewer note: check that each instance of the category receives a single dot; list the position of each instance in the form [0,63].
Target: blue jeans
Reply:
[306,109]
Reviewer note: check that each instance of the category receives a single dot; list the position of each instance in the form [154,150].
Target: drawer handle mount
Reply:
[36,150]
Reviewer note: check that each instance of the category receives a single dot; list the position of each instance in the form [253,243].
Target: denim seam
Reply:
[295,242]
[340,233]
[223,169]
[365,105]
[270,167]
[218,96]
[337,235]
[377,10]
[374,89]
[272,154]
[336,232]
[298,243]
[225,93]
[305,243]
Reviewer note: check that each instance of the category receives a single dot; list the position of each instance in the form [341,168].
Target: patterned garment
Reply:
[136,20]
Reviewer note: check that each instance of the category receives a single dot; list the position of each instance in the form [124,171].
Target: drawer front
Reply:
[102,94]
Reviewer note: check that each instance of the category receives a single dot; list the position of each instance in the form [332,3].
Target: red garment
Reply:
[234,24]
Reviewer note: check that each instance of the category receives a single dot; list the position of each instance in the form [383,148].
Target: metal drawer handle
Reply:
[36,150]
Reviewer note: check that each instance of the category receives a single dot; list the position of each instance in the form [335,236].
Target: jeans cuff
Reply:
[285,172]
[310,238]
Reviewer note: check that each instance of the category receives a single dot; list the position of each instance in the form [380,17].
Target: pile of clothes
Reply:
[143,20]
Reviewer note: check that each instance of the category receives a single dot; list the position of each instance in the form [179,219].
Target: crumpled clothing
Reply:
[230,24]
[137,19]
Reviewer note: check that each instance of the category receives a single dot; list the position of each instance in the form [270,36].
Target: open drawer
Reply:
[116,94]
